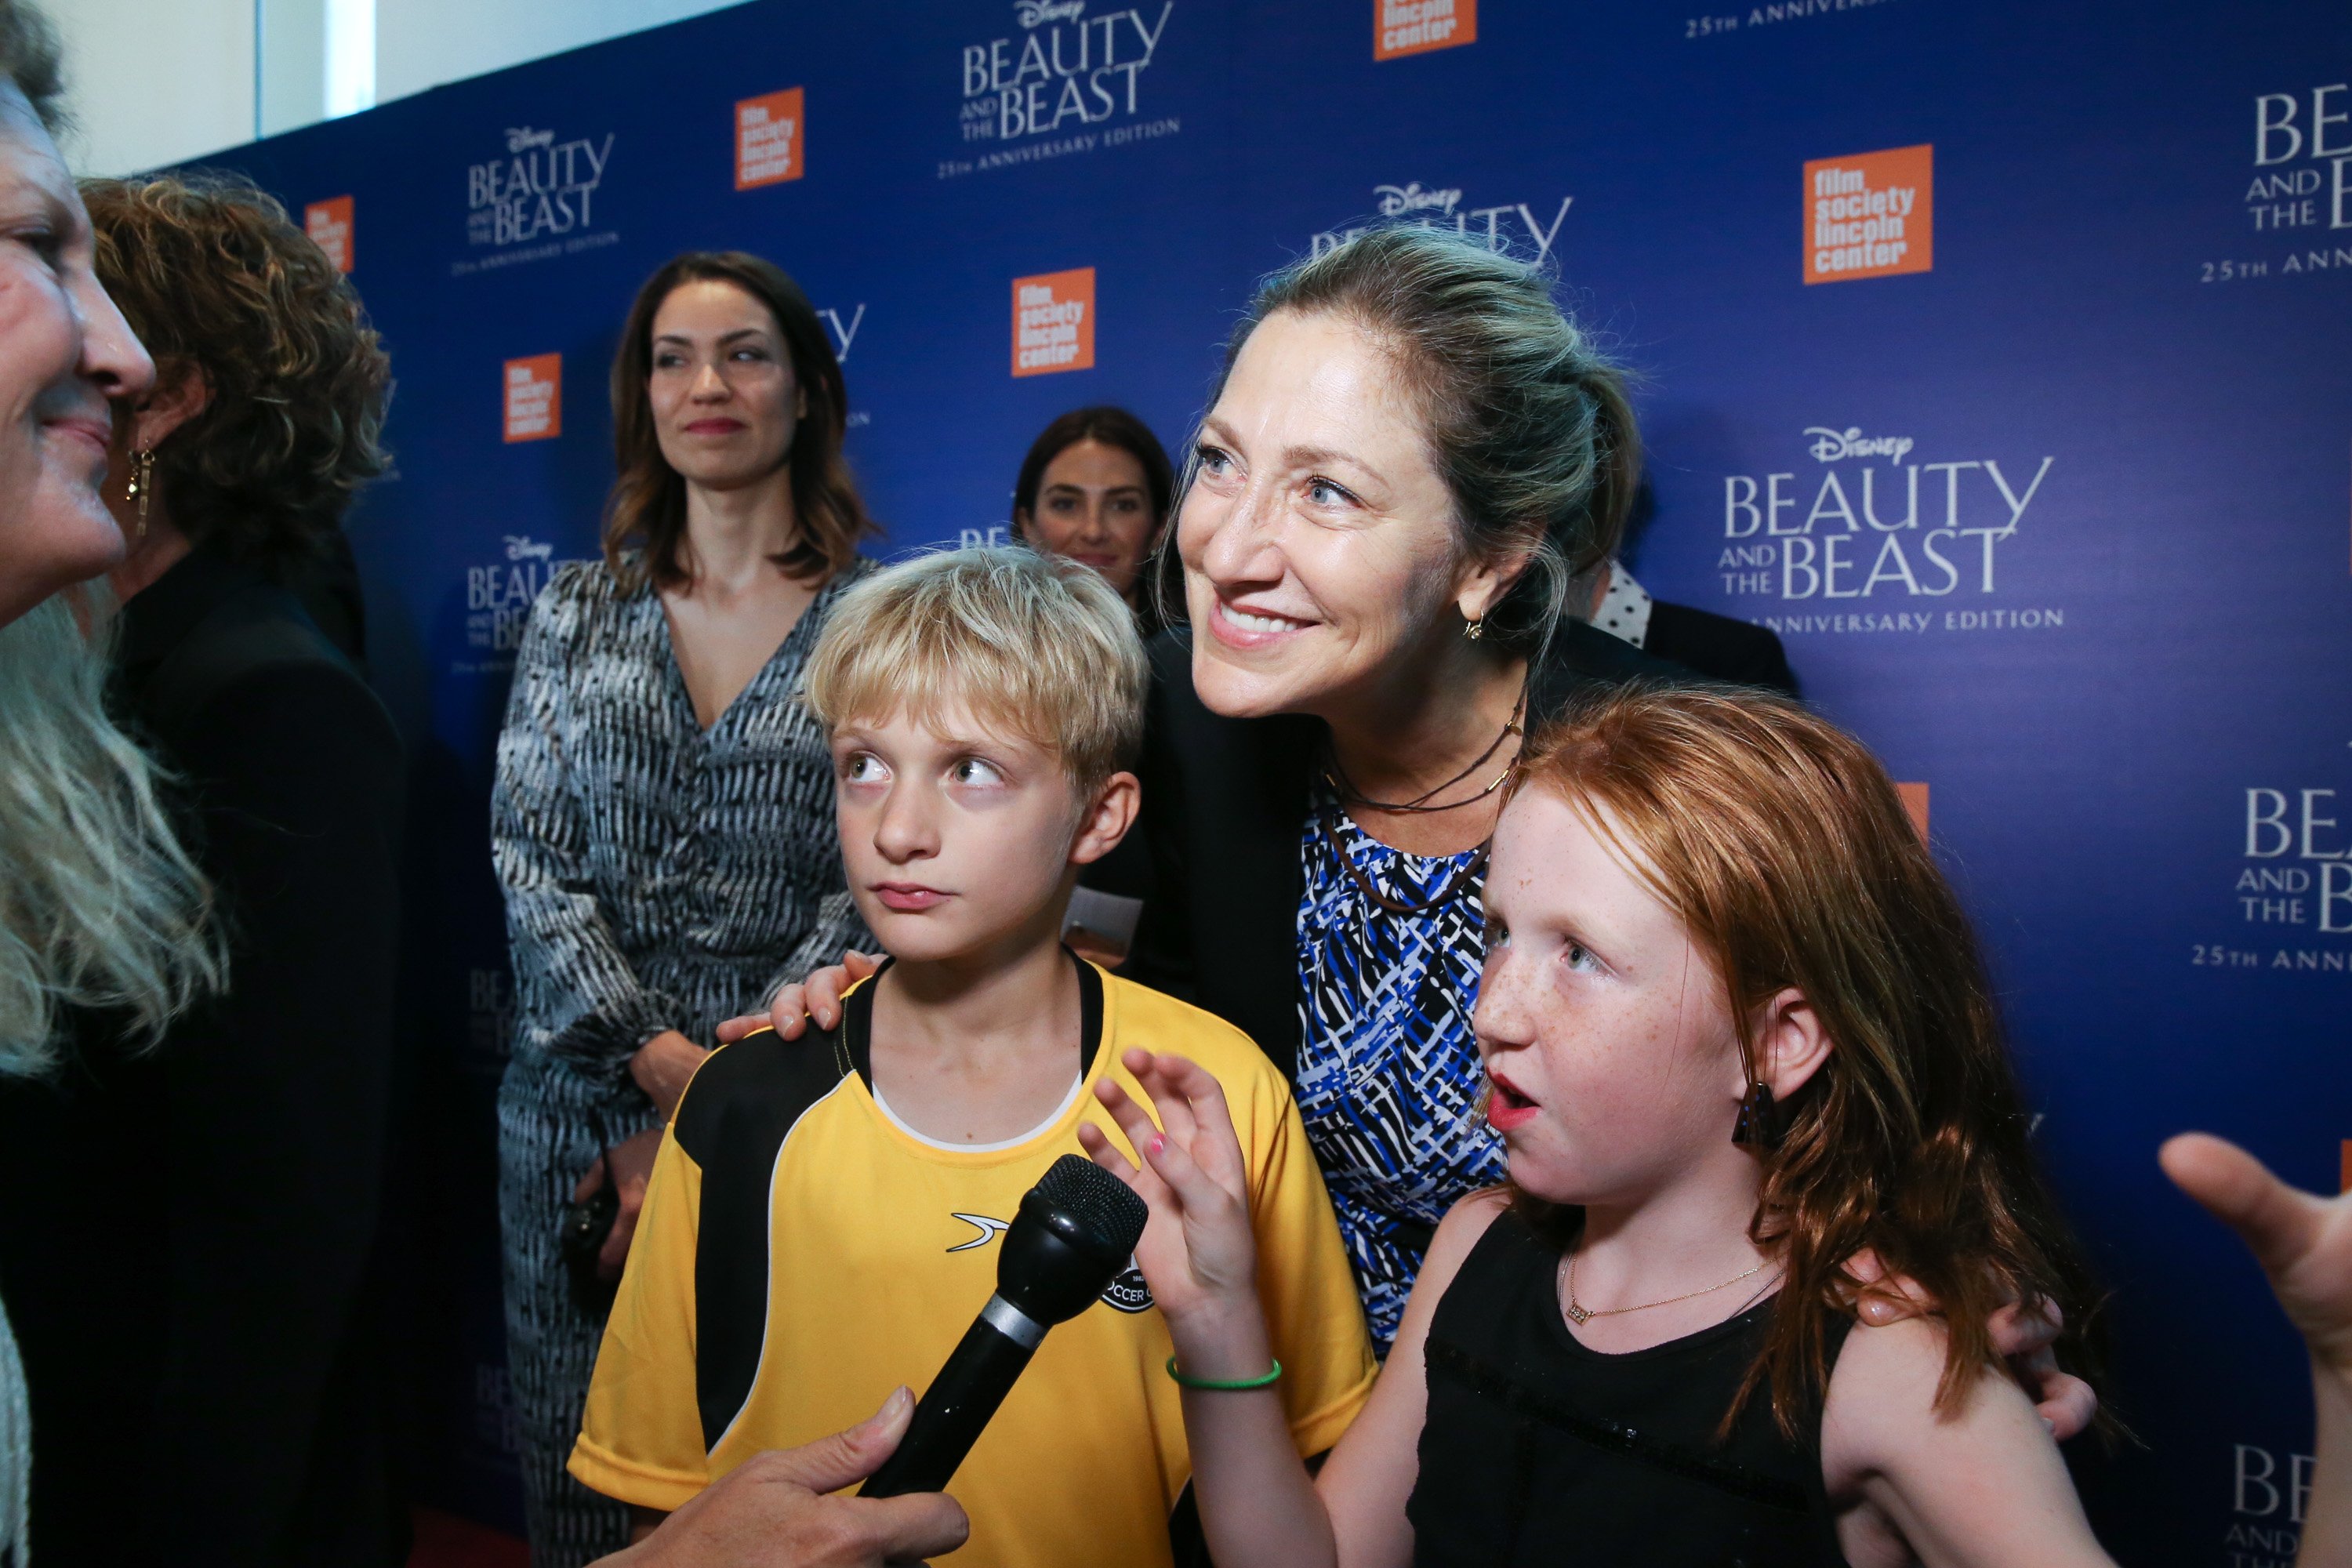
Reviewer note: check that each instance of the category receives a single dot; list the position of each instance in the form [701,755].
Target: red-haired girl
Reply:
[1737,1035]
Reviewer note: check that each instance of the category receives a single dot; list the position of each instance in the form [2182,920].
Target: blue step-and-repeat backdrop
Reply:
[1997,354]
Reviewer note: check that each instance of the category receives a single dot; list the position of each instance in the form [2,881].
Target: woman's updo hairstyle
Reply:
[1528,423]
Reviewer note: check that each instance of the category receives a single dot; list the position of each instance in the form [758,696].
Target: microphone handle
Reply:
[960,1402]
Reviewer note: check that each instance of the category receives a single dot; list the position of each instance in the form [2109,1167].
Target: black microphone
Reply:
[1075,1233]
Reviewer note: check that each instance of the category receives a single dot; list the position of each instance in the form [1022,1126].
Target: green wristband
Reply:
[1217,1385]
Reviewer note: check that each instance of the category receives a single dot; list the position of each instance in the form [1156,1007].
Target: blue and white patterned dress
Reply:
[1388,1072]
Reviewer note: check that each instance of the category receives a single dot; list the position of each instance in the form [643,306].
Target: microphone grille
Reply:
[1107,1209]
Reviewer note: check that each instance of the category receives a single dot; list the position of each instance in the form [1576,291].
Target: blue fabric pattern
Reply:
[1388,1071]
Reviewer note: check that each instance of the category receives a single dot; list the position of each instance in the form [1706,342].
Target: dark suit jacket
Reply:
[1719,648]
[1225,802]
[186,1257]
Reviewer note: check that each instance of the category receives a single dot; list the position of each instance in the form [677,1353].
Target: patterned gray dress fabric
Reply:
[657,876]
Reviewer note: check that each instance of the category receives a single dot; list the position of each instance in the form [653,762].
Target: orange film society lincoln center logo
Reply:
[1870,216]
[534,402]
[329,225]
[1416,27]
[1053,322]
[768,138]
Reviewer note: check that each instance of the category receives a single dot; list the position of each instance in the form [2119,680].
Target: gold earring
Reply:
[142,487]
[1474,627]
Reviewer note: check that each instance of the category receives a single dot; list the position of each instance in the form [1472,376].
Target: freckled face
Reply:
[1606,1033]
[65,351]
[725,403]
[954,839]
[1317,538]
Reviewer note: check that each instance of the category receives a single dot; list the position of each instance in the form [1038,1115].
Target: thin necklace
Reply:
[1419,805]
[1581,1315]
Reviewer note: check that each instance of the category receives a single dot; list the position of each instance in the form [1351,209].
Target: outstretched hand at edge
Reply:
[2304,1242]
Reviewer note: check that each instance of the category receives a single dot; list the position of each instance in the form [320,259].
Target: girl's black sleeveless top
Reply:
[1537,1450]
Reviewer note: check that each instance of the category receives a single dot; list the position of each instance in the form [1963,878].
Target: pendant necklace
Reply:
[1580,1315]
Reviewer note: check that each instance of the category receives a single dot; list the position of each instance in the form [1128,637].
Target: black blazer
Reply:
[1224,804]
[1719,648]
[189,1271]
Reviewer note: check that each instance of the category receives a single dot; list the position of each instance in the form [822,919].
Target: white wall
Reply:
[161,81]
[424,43]
[153,81]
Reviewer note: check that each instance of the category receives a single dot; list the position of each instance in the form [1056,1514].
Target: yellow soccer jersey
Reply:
[801,1254]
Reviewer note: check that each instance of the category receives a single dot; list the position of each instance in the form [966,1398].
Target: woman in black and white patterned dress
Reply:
[663,818]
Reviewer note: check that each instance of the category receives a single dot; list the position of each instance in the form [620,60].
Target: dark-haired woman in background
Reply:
[1095,488]
[662,819]
[192,1287]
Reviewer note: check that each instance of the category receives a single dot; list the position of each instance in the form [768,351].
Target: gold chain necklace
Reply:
[1582,1315]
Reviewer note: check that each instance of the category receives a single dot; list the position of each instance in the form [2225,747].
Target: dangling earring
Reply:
[140,487]
[1760,1122]
[1474,627]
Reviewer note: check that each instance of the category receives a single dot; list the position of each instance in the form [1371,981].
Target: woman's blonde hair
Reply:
[1782,845]
[1032,642]
[100,906]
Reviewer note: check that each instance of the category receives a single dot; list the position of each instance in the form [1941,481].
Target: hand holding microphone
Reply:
[774,1511]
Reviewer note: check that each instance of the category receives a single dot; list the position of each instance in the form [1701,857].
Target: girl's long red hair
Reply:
[1787,852]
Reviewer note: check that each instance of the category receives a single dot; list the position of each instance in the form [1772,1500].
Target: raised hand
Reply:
[1198,1253]
[2303,1242]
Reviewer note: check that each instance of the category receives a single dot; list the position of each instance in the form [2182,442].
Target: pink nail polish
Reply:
[1159,1142]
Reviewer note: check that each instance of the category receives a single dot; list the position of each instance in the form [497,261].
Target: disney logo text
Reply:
[1834,446]
[1397,200]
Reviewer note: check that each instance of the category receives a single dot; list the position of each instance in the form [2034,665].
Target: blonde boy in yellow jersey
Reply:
[824,1214]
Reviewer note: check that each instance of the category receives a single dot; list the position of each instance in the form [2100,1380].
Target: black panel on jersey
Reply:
[732,1124]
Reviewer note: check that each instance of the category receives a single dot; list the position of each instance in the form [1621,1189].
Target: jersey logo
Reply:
[1129,1293]
[988,1230]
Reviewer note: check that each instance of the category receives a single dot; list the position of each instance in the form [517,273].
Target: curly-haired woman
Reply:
[188,1291]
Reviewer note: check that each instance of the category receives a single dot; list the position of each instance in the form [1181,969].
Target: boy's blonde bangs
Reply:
[1031,642]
